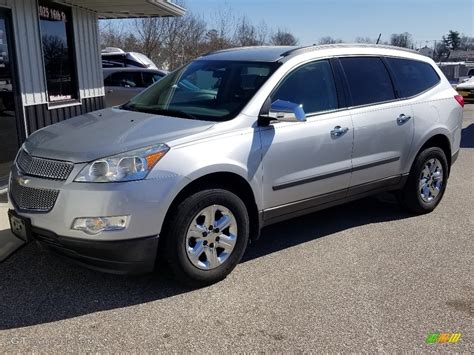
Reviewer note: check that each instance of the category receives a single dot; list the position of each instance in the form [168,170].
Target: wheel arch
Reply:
[227,180]
[441,141]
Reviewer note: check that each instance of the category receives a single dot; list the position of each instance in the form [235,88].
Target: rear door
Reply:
[120,87]
[383,124]
[304,160]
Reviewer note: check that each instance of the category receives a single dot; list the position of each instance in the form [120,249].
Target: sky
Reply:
[309,20]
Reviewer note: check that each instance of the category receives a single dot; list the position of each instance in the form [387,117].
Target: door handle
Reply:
[339,131]
[403,118]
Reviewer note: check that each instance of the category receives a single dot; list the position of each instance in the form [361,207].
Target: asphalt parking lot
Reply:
[361,277]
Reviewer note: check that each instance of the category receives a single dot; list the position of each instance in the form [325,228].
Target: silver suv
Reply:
[191,169]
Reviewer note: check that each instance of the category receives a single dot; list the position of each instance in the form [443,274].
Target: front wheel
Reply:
[427,182]
[206,237]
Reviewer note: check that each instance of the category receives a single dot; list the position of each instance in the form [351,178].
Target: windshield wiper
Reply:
[159,111]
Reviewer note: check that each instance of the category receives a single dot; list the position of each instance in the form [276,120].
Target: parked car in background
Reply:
[116,57]
[466,89]
[121,84]
[191,169]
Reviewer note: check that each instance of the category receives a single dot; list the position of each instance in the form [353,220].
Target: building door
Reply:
[9,112]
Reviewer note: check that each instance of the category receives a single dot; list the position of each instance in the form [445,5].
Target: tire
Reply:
[411,196]
[179,238]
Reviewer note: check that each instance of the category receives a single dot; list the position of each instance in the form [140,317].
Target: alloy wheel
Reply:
[211,237]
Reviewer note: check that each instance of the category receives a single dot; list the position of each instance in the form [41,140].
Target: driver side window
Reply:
[312,86]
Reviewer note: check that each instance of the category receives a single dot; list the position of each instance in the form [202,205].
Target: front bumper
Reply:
[144,202]
[134,256]
[129,251]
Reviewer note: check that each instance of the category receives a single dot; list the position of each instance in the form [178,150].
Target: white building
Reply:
[50,67]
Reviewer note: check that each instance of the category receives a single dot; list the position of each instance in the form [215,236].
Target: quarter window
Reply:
[368,79]
[57,41]
[312,86]
[413,77]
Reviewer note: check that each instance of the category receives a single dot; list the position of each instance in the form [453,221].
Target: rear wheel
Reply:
[426,184]
[206,237]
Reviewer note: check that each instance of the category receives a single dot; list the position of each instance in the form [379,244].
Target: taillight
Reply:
[460,100]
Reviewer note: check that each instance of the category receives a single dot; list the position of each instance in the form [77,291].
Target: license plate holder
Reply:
[20,226]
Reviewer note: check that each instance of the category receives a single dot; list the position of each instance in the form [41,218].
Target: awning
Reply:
[129,8]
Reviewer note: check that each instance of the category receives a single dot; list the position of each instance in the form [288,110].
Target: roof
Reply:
[277,53]
[251,54]
[129,8]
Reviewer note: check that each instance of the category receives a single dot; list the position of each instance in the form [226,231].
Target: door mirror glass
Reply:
[286,111]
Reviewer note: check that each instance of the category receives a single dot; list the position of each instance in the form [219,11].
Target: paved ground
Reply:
[360,277]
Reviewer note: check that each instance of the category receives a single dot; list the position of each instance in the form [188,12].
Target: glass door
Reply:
[9,132]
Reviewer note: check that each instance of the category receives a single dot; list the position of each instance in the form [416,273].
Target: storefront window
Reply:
[57,39]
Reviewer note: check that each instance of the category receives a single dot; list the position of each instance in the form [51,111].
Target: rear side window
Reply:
[368,80]
[312,86]
[413,77]
[124,79]
[150,78]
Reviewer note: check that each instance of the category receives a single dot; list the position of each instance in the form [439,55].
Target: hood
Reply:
[108,132]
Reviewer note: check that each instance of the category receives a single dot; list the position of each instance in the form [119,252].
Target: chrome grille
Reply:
[45,168]
[33,199]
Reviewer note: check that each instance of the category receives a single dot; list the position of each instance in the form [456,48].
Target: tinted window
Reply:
[150,78]
[413,77]
[312,86]
[57,40]
[124,79]
[368,79]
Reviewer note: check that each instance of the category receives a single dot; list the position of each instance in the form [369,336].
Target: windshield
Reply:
[204,90]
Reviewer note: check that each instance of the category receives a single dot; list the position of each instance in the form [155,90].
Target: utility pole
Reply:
[378,39]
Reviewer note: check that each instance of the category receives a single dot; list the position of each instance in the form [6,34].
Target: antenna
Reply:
[378,39]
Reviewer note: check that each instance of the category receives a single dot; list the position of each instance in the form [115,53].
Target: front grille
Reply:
[31,198]
[45,168]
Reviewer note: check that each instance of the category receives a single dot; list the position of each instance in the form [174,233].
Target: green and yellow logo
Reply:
[442,338]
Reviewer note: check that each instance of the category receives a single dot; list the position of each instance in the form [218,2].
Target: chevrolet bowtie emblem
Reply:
[23,181]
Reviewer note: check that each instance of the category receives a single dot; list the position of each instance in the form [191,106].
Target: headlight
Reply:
[130,166]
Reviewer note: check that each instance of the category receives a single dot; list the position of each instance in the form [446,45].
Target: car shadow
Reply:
[377,209]
[467,137]
[37,288]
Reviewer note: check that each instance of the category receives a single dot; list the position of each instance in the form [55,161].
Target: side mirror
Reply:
[286,111]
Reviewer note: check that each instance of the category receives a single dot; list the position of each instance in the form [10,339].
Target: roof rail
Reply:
[233,49]
[315,47]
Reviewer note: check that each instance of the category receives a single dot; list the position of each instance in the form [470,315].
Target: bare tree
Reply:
[150,32]
[467,43]
[329,40]
[247,34]
[402,40]
[283,38]
[112,33]
[441,51]
[367,40]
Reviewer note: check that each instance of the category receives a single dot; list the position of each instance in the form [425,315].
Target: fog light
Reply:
[96,225]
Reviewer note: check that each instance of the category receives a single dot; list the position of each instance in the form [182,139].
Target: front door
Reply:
[9,122]
[307,159]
